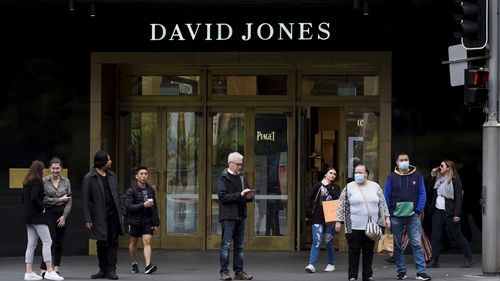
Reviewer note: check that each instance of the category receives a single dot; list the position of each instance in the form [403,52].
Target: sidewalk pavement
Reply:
[187,265]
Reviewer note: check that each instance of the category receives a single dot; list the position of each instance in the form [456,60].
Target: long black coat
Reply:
[94,203]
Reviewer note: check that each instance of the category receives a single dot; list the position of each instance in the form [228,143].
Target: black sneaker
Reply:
[432,264]
[134,268]
[467,263]
[401,276]
[99,275]
[422,276]
[150,268]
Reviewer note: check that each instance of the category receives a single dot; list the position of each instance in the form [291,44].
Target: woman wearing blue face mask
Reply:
[360,200]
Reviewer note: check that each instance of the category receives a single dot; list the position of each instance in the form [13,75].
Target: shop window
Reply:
[249,85]
[340,85]
[163,85]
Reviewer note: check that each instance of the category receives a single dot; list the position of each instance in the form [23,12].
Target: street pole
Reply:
[491,154]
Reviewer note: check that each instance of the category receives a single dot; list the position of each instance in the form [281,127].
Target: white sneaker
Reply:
[53,276]
[310,268]
[32,276]
[330,268]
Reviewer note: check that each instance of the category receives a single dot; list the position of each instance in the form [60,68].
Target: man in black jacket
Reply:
[103,213]
[142,218]
[233,192]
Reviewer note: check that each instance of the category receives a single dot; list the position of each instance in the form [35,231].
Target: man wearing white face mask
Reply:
[404,192]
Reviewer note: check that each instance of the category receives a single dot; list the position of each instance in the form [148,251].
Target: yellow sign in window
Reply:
[17,175]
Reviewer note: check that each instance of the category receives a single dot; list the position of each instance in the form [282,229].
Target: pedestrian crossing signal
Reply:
[476,86]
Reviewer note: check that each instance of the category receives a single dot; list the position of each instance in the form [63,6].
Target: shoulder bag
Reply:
[373,230]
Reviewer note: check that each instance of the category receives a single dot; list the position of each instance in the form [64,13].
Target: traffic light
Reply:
[476,86]
[473,26]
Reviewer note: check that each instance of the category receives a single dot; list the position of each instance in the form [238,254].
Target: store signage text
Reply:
[303,31]
[263,136]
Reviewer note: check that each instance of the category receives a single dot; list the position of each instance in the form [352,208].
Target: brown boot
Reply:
[224,275]
[242,275]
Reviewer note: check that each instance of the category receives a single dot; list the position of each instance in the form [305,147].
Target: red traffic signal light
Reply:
[476,86]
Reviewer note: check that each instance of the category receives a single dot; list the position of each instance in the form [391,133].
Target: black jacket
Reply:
[33,194]
[94,203]
[452,207]
[312,203]
[134,204]
[230,199]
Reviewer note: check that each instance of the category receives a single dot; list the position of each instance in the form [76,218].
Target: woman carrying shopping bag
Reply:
[319,192]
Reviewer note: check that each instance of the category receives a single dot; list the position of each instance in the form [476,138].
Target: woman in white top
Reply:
[358,201]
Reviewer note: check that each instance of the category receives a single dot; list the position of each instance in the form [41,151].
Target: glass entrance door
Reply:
[184,167]
[168,144]
[263,139]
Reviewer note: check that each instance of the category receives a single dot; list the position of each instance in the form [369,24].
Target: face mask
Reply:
[359,178]
[404,165]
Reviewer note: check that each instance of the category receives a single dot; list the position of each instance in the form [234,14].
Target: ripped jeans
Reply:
[233,232]
[318,230]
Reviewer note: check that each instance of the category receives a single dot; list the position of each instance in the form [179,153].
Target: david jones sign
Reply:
[251,31]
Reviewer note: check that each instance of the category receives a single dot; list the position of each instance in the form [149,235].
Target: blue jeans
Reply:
[232,231]
[317,236]
[414,228]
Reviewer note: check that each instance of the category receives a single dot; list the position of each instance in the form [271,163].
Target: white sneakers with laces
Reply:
[330,268]
[310,268]
[32,276]
[53,276]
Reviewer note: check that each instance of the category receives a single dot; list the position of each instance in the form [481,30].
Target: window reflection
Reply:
[340,85]
[271,174]
[260,85]
[182,173]
[140,145]
[228,135]
[362,142]
[163,85]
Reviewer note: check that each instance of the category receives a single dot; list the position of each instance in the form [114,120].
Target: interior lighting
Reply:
[92,10]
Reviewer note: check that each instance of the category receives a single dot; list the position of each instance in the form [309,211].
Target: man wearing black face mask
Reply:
[103,213]
[404,193]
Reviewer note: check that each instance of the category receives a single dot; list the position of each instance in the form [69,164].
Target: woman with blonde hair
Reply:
[446,208]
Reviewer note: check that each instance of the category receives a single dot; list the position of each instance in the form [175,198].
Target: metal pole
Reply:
[491,227]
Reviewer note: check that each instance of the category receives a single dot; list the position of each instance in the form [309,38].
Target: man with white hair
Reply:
[233,192]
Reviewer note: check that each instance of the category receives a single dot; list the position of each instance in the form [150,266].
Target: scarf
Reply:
[444,187]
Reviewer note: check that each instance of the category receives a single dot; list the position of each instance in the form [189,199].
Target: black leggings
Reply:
[359,243]
[56,233]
